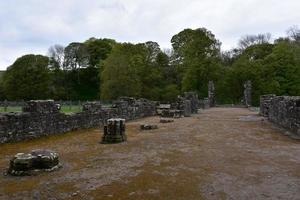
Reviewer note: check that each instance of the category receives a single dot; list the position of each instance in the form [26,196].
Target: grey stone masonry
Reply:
[211,94]
[195,103]
[114,131]
[40,118]
[265,102]
[282,110]
[247,93]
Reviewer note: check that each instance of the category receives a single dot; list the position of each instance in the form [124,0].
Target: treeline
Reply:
[106,69]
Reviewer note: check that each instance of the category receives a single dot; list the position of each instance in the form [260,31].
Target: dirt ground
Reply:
[220,153]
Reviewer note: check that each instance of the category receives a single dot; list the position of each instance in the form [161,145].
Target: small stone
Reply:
[166,120]
[148,126]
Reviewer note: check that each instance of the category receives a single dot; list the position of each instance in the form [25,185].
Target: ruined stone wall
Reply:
[211,94]
[247,93]
[41,118]
[282,110]
[194,101]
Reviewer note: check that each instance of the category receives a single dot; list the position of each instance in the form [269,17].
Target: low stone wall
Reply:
[282,110]
[40,118]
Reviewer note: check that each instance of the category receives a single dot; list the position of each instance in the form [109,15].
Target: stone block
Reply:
[114,131]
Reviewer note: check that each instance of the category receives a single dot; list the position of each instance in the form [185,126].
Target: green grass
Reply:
[11,109]
[64,109]
[69,109]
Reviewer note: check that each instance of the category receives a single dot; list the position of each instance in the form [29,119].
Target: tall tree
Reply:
[76,56]
[28,78]
[121,71]
[98,50]
[197,57]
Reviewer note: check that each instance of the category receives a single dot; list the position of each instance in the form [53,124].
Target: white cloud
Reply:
[32,26]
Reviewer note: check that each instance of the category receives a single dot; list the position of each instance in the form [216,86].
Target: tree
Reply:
[122,70]
[197,58]
[249,40]
[76,56]
[28,78]
[56,56]
[98,50]
[294,33]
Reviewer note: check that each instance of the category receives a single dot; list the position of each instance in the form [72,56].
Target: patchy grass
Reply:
[70,109]
[64,109]
[11,109]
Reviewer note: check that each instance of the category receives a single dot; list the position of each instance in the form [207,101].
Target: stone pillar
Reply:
[114,131]
[193,97]
[211,94]
[247,93]
[184,106]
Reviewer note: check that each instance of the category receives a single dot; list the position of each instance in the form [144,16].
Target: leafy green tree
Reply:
[121,75]
[28,78]
[197,58]
[98,50]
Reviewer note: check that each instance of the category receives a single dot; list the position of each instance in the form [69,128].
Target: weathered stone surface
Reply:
[114,131]
[148,126]
[204,103]
[92,107]
[41,107]
[211,94]
[265,101]
[44,159]
[166,120]
[282,110]
[42,118]
[195,103]
[26,163]
[184,106]
[247,93]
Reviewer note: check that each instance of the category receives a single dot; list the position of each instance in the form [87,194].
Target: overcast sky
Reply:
[31,26]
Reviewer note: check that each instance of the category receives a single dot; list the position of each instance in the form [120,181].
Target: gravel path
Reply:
[220,153]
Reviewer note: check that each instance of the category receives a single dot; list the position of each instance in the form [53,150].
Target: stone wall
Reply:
[282,110]
[41,118]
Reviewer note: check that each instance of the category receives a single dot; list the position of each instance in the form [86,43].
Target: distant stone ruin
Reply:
[193,97]
[23,164]
[211,94]
[114,131]
[184,105]
[247,93]
[282,110]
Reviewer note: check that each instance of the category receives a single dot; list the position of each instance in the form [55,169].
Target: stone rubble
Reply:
[23,164]
[166,120]
[148,126]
